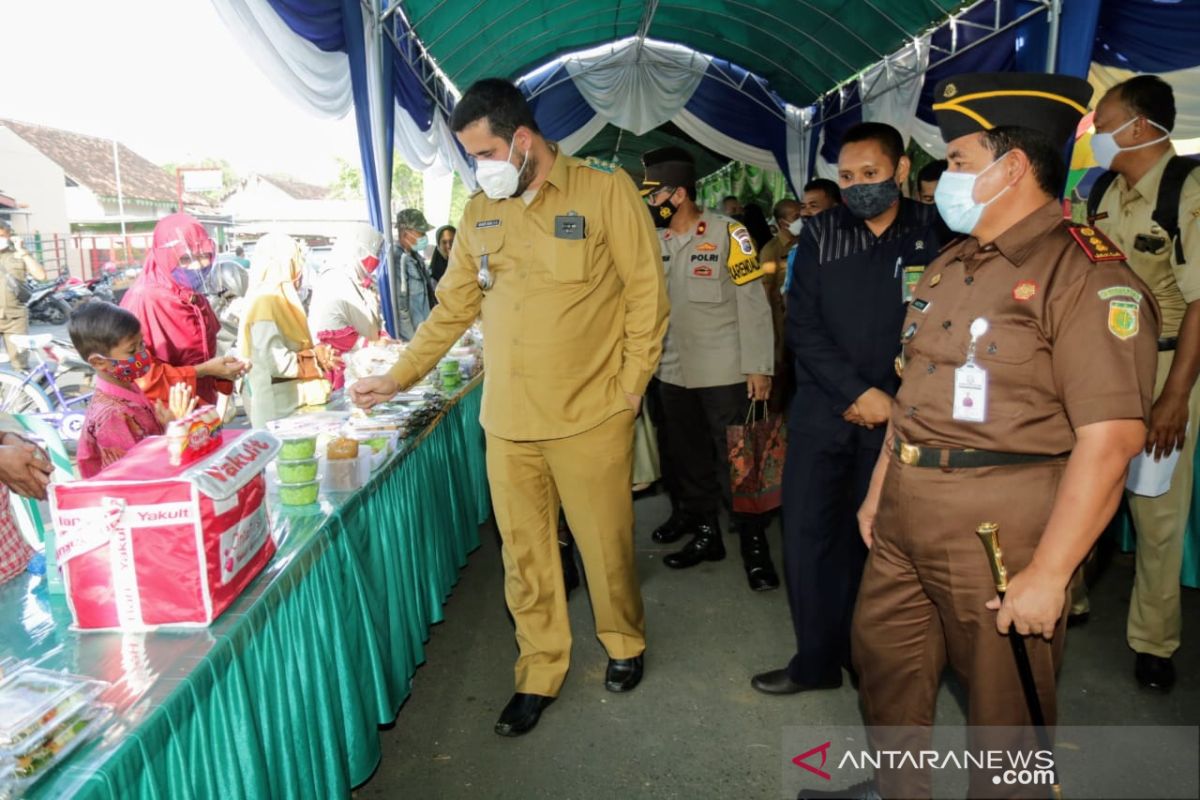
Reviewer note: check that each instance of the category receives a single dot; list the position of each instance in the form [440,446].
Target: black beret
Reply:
[668,166]
[1049,104]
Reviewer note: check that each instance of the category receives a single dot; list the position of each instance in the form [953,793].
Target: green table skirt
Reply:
[283,696]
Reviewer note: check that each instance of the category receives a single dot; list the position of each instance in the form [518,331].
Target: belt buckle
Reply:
[910,454]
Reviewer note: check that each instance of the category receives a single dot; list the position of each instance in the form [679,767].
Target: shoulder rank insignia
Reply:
[742,263]
[1095,245]
[600,165]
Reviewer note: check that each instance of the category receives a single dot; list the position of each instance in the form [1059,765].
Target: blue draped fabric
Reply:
[1148,35]
[319,21]
[560,110]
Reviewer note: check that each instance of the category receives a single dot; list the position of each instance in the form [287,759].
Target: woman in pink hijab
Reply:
[178,324]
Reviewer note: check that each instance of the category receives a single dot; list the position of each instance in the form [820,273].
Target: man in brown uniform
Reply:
[15,265]
[559,258]
[1028,364]
[774,258]
[1133,123]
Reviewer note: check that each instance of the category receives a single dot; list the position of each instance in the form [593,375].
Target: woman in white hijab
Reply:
[345,309]
[289,369]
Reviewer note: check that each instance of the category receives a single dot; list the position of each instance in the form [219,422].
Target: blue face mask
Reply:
[421,244]
[955,199]
[194,279]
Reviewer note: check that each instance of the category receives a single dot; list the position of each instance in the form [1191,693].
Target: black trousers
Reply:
[825,479]
[695,453]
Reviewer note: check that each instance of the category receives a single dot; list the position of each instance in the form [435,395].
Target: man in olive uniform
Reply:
[15,265]
[717,357]
[774,258]
[415,298]
[1028,364]
[559,259]
[1133,123]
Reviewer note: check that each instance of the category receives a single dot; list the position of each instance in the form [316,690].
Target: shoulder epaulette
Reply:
[1095,245]
[600,165]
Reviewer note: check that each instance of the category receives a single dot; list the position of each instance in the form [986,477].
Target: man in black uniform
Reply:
[855,266]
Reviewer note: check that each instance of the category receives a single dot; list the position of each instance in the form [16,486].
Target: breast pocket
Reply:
[487,248]
[1009,354]
[570,260]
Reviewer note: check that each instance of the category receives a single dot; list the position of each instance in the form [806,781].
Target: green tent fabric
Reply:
[615,144]
[748,183]
[802,47]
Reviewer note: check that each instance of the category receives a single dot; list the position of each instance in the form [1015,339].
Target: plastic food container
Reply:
[299,494]
[33,701]
[301,471]
[347,474]
[342,449]
[297,446]
[48,751]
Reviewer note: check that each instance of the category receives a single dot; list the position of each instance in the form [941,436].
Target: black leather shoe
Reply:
[672,530]
[706,545]
[1155,672]
[623,674]
[756,558]
[566,549]
[778,681]
[859,791]
[521,714]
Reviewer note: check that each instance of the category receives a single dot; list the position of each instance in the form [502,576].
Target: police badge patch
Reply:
[741,237]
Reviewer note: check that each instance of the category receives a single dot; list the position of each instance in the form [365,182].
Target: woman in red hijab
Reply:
[178,324]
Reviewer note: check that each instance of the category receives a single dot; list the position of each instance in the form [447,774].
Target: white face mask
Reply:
[1105,147]
[500,179]
[955,199]
[795,226]
[3,242]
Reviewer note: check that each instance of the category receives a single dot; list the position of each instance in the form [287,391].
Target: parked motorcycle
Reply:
[44,303]
[74,293]
[101,286]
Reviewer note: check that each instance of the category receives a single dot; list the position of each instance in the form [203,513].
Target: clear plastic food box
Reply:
[33,701]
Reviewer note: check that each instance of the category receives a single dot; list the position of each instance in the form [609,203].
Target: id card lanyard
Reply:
[970,381]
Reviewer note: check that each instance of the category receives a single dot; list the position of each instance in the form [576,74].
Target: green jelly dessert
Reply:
[297,447]
[301,471]
[298,494]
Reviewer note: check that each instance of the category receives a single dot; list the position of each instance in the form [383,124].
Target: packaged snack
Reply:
[58,743]
[342,448]
[33,701]
[347,474]
[300,471]
[194,436]
[299,494]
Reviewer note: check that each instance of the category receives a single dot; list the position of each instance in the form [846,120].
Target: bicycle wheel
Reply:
[21,396]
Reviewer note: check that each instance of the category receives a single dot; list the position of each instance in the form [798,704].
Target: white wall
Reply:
[260,206]
[31,179]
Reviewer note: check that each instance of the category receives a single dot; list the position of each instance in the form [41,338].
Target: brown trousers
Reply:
[922,601]
[590,474]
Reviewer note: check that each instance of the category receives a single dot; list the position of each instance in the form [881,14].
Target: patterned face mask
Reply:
[132,368]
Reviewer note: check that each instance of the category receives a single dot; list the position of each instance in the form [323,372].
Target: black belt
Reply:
[1167,343]
[934,457]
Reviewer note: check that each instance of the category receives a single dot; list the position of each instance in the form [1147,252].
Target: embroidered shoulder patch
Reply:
[1120,291]
[742,263]
[1123,318]
[1095,245]
[600,165]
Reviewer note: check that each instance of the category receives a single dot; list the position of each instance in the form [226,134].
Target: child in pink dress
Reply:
[118,416]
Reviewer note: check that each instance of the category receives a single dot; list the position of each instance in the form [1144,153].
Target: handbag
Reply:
[757,450]
[18,289]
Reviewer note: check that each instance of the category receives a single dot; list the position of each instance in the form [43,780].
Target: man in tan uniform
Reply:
[559,258]
[1028,364]
[15,265]
[774,258]
[718,357]
[1133,121]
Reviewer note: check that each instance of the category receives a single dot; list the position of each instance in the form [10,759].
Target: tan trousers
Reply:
[922,605]
[1155,621]
[591,474]
[17,323]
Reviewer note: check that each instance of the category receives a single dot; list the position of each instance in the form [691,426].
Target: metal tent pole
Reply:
[120,196]
[1054,11]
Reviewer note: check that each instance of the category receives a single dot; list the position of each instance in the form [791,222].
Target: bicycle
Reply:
[56,390]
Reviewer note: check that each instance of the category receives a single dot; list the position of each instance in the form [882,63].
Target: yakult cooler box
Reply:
[144,544]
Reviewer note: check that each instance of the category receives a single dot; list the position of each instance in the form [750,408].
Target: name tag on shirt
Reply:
[970,393]
[912,276]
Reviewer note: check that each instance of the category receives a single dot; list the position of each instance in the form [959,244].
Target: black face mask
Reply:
[869,200]
[662,214]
